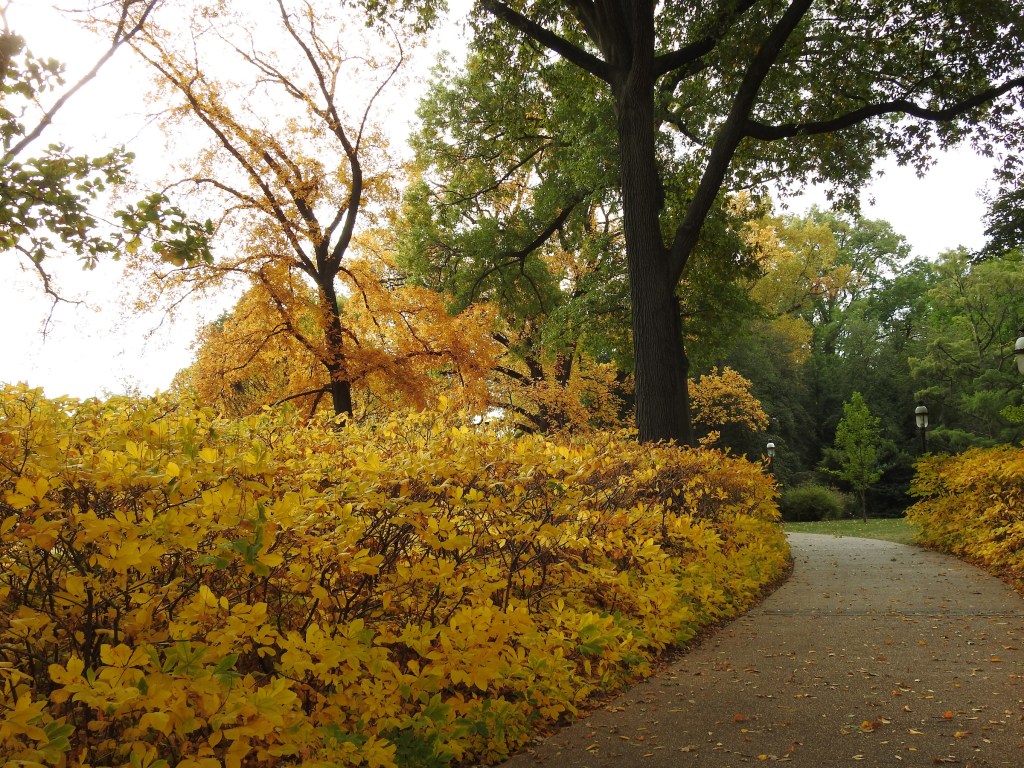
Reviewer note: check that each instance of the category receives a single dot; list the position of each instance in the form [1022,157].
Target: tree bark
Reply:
[660,362]
[341,394]
[341,387]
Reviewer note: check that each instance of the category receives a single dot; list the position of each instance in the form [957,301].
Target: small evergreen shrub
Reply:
[810,503]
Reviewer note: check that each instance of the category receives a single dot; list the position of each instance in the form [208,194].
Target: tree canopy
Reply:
[299,166]
[694,100]
[585,233]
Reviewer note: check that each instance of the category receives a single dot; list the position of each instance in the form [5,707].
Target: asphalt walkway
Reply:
[871,654]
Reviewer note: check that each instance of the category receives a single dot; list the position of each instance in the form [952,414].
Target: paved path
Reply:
[872,654]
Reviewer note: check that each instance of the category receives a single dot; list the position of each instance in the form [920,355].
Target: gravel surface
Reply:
[871,654]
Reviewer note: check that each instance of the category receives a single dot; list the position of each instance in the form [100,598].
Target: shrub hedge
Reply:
[972,505]
[811,503]
[178,589]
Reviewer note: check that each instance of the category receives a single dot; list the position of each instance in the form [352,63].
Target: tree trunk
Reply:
[661,366]
[341,394]
[341,387]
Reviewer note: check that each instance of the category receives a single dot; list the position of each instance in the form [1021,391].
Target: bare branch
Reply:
[124,31]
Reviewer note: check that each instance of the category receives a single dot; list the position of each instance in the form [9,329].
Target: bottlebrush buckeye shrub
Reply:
[183,590]
[972,505]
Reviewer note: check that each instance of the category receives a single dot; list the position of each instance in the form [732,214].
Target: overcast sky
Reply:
[99,347]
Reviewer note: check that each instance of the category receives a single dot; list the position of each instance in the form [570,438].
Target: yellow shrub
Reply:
[972,505]
[181,590]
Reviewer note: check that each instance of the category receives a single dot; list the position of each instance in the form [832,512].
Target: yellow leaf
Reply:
[122,656]
[271,559]
[158,721]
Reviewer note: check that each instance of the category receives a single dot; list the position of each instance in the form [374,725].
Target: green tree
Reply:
[1004,222]
[517,205]
[726,95]
[964,368]
[857,448]
[839,309]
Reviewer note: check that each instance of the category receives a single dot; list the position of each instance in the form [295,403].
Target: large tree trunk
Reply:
[341,394]
[341,387]
[661,366]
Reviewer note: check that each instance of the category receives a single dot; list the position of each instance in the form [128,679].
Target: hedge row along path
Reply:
[871,654]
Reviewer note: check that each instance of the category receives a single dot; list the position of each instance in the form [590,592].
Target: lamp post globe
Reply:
[1018,351]
[921,416]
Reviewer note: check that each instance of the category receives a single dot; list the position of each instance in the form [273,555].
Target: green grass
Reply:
[898,530]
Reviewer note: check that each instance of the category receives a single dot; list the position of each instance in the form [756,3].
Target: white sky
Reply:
[99,347]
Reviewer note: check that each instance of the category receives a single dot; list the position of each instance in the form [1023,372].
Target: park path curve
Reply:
[871,654]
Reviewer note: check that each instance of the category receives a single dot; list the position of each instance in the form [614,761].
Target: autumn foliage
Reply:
[972,505]
[180,589]
[724,398]
[405,349]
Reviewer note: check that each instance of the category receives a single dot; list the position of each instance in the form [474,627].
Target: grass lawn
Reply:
[898,530]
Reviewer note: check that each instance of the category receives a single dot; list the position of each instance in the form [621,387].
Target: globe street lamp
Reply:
[1018,351]
[770,450]
[921,417]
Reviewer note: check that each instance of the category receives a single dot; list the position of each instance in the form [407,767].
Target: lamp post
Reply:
[921,416]
[770,450]
[1018,351]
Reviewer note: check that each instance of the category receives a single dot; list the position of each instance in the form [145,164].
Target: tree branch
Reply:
[510,257]
[765,132]
[124,31]
[692,53]
[548,39]
[318,392]
[207,115]
[730,135]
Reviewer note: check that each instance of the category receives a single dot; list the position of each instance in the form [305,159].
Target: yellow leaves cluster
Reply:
[972,505]
[725,398]
[400,346]
[179,589]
